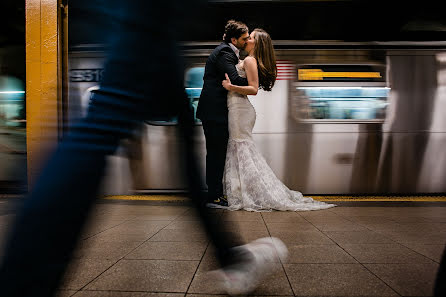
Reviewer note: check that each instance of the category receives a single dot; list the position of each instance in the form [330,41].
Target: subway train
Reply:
[343,118]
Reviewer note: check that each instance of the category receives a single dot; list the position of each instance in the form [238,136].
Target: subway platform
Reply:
[156,247]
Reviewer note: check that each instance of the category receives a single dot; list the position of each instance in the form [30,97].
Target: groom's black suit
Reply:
[213,112]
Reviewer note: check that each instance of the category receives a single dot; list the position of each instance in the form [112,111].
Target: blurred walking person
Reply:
[143,79]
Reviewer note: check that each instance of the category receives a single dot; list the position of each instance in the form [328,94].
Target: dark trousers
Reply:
[142,79]
[217,136]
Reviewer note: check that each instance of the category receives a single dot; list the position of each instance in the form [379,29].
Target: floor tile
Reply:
[155,217]
[384,253]
[335,280]
[247,236]
[82,271]
[202,295]
[205,283]
[143,225]
[141,210]
[328,253]
[357,237]
[209,261]
[217,295]
[395,251]
[407,279]
[241,216]
[93,249]
[163,295]
[423,227]
[160,250]
[282,217]
[245,226]
[192,214]
[123,235]
[298,226]
[147,275]
[65,293]
[296,237]
[110,294]
[274,284]
[358,211]
[377,226]
[183,225]
[369,219]
[339,226]
[90,231]
[432,251]
[110,219]
[407,219]
[421,237]
[323,213]
[327,220]
[179,235]
[434,219]
[124,294]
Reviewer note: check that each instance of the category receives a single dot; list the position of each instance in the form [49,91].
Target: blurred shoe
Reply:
[220,202]
[244,277]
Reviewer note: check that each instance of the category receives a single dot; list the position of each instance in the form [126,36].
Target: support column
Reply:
[44,84]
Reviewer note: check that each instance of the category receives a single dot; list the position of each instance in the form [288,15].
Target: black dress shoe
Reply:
[220,202]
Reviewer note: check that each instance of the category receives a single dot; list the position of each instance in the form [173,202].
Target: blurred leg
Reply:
[140,67]
[143,78]
[440,283]
[48,225]
[222,238]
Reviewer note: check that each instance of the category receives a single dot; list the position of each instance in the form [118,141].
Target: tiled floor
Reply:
[141,249]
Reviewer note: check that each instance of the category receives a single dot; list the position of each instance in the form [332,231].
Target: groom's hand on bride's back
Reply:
[226,83]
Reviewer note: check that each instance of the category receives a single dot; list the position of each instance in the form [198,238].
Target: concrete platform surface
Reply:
[355,249]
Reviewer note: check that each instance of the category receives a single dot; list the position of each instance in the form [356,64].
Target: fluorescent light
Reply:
[319,74]
[343,88]
[12,92]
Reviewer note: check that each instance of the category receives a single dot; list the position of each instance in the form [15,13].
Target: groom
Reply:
[212,108]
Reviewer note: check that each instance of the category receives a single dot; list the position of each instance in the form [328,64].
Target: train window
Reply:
[342,103]
[341,92]
[194,84]
[12,102]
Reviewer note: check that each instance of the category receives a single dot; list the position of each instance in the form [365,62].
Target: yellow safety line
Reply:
[320,198]
[147,197]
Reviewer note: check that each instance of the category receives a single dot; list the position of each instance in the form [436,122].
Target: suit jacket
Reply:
[212,105]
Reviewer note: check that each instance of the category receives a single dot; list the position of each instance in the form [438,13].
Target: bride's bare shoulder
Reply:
[250,59]
[249,62]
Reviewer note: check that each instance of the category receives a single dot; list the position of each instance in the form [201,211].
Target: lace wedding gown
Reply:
[248,181]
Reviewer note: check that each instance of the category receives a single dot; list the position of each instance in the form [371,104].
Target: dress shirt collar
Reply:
[236,50]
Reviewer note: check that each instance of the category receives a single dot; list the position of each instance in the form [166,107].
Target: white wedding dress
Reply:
[248,181]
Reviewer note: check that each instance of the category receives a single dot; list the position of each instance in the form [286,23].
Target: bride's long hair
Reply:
[266,59]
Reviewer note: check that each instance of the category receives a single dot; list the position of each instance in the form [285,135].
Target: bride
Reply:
[248,181]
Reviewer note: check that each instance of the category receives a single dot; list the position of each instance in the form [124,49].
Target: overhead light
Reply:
[343,88]
[12,92]
[319,74]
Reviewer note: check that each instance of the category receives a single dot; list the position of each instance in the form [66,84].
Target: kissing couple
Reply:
[237,175]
